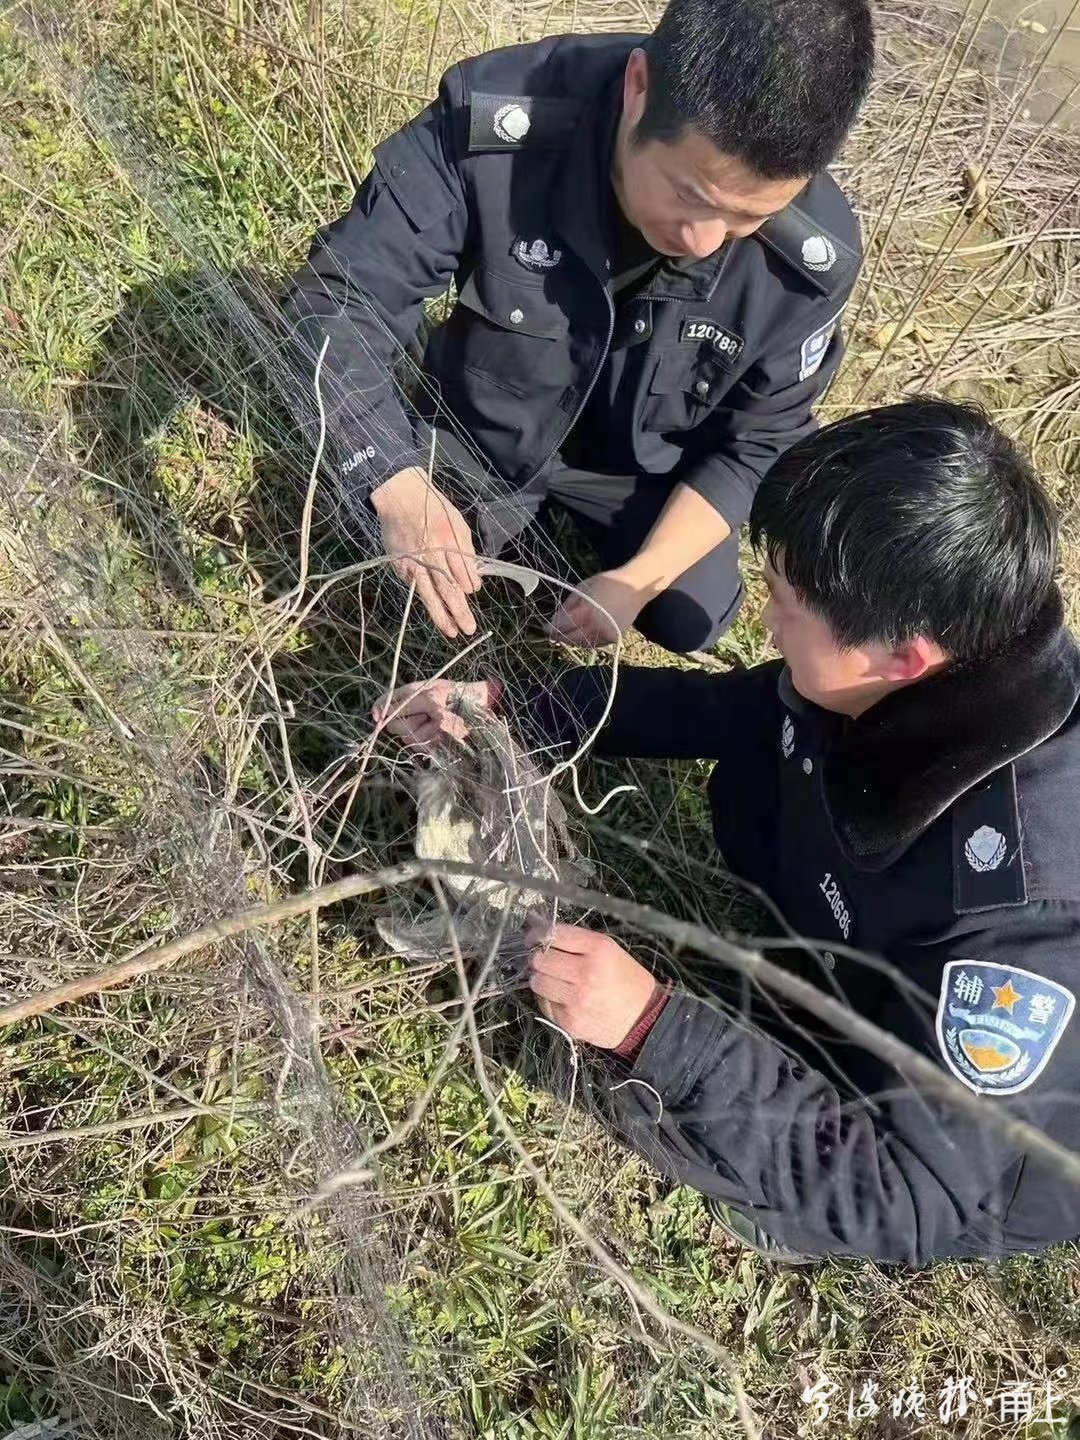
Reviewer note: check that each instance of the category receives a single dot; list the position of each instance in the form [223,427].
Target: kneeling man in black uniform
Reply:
[651,261]
[904,782]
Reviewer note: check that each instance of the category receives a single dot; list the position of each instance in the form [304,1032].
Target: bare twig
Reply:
[682,934]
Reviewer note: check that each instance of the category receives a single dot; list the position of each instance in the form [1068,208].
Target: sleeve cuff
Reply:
[682,1042]
[366,467]
[562,713]
[630,1047]
[729,491]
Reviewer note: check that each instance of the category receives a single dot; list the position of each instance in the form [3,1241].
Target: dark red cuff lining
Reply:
[631,1046]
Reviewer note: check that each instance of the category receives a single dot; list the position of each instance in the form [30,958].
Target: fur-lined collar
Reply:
[889,774]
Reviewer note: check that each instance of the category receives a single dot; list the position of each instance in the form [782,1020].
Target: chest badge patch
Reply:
[511,123]
[536,254]
[998,1025]
[787,737]
[985,849]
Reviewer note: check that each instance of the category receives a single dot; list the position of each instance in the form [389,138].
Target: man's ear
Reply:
[635,87]
[912,660]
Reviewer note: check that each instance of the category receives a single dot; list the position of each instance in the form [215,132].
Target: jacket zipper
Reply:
[657,299]
[585,398]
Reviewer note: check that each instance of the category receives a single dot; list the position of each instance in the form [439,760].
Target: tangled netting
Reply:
[185,713]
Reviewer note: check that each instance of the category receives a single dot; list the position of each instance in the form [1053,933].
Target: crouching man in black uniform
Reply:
[905,781]
[650,263]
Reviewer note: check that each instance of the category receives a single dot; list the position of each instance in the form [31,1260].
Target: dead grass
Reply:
[181,740]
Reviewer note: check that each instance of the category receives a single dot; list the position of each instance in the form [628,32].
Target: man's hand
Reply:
[685,531]
[429,541]
[587,984]
[425,715]
[621,592]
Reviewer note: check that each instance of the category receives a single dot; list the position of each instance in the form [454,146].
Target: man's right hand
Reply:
[430,544]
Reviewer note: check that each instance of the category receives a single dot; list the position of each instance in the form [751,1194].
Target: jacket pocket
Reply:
[684,387]
[509,333]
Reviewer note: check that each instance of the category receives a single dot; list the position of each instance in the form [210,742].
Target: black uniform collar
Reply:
[587,210]
[585,200]
[889,774]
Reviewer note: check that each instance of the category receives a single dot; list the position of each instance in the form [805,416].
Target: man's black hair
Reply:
[776,83]
[916,519]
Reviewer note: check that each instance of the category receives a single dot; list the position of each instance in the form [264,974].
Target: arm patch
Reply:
[998,1025]
[816,346]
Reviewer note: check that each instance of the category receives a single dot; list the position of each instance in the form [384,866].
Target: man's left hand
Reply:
[587,984]
[686,530]
[621,592]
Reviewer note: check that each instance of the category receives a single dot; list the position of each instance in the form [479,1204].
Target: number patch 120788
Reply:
[835,902]
[726,345]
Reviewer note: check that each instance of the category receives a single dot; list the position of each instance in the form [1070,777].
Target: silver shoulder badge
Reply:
[984,849]
[988,869]
[815,251]
[818,252]
[511,123]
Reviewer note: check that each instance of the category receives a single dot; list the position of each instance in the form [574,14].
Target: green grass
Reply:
[167,1266]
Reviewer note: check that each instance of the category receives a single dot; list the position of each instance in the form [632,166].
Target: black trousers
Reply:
[615,513]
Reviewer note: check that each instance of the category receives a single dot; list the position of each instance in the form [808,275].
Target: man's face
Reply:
[688,197]
[847,681]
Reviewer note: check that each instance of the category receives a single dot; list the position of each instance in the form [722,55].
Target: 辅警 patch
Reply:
[815,347]
[998,1025]
[726,345]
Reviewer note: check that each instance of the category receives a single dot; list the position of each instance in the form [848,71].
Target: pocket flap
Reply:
[687,372]
[415,181]
[513,305]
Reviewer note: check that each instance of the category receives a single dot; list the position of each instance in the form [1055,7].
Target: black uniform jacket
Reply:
[705,371]
[940,831]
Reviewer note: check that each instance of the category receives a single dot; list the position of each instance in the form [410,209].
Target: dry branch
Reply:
[684,935]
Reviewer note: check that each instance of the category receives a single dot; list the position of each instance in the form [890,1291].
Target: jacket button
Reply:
[808,766]
[702,389]
[830,960]
[639,327]
[516,317]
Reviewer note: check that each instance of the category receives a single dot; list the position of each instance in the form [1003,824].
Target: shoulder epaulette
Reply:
[819,256]
[987,846]
[520,122]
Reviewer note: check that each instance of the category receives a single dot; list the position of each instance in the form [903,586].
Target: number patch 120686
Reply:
[835,902]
